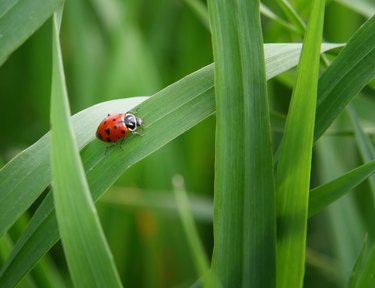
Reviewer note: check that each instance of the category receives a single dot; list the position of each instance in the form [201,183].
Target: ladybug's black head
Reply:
[132,122]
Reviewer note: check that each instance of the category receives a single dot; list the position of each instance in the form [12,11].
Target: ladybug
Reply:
[117,126]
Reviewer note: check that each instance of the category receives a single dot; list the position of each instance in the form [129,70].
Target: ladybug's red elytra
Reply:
[117,126]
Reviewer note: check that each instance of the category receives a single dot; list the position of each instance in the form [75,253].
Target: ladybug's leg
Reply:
[121,142]
[137,133]
[108,147]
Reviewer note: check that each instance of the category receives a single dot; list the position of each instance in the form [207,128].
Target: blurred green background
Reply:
[115,49]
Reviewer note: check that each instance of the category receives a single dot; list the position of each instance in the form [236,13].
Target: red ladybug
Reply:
[117,126]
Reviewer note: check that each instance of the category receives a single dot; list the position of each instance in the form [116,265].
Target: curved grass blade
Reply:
[90,264]
[193,97]
[293,171]
[19,188]
[244,202]
[345,77]
[21,18]
[326,194]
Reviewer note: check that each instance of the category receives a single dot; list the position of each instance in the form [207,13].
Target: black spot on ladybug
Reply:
[105,122]
[109,114]
[108,140]
[107,131]
[115,127]
[114,119]
[100,136]
[123,131]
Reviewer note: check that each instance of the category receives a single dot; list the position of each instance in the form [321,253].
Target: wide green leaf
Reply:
[90,265]
[293,170]
[19,19]
[244,202]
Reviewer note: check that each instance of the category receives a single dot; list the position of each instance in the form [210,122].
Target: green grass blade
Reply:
[342,213]
[292,15]
[90,263]
[293,171]
[266,11]
[366,278]
[26,252]
[201,10]
[19,19]
[33,163]
[279,55]
[346,76]
[357,269]
[365,145]
[159,202]
[191,232]
[244,213]
[367,153]
[320,197]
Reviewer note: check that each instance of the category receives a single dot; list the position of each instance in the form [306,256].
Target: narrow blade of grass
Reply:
[366,278]
[244,213]
[201,10]
[266,11]
[90,265]
[292,15]
[19,19]
[293,171]
[356,272]
[326,194]
[191,233]
[159,201]
[346,76]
